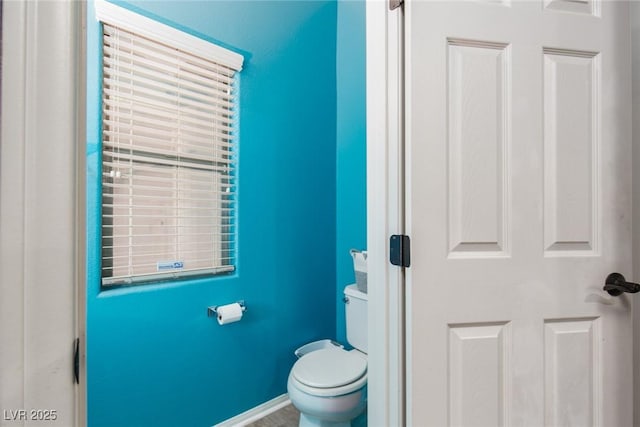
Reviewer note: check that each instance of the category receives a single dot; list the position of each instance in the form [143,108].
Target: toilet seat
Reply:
[330,372]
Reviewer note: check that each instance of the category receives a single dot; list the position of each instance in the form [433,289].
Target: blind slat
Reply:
[167,83]
[154,112]
[177,183]
[167,107]
[194,77]
[168,100]
[153,264]
[164,121]
[149,277]
[178,137]
[142,197]
[124,100]
[166,168]
[140,207]
[181,159]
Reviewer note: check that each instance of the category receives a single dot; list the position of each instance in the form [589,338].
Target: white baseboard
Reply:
[256,413]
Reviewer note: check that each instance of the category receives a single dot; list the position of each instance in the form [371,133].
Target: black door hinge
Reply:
[76,361]
[394,4]
[400,250]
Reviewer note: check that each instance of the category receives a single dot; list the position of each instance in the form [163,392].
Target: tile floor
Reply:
[284,417]
[290,417]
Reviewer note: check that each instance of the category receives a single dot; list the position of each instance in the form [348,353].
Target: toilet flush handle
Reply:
[345,300]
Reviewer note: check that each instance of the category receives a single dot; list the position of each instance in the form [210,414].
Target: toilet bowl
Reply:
[328,384]
[329,387]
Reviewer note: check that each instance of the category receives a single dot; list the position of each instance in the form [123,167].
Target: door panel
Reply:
[479,370]
[572,359]
[571,175]
[518,162]
[477,78]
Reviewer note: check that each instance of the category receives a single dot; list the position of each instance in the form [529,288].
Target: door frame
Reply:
[385,212]
[634,12]
[43,100]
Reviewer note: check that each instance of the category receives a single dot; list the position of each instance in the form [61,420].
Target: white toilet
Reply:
[328,384]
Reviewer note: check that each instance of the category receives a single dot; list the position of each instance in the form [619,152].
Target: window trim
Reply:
[131,21]
[113,15]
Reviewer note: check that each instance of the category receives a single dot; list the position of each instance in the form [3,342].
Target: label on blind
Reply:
[170,265]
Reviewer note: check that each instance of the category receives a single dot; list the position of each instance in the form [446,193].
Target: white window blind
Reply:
[168,159]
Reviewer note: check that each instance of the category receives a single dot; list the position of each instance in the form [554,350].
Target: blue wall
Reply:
[153,356]
[351,204]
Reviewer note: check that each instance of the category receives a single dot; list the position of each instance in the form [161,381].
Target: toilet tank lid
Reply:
[329,367]
[352,291]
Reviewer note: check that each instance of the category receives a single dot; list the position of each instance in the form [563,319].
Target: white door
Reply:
[40,213]
[518,207]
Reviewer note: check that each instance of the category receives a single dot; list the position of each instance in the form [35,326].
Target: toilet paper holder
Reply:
[213,310]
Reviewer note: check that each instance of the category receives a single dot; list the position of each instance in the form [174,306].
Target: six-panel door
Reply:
[518,204]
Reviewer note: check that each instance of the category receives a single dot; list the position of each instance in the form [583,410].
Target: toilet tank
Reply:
[356,317]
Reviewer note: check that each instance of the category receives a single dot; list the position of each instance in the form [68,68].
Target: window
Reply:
[168,151]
